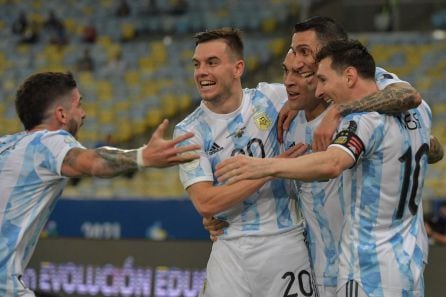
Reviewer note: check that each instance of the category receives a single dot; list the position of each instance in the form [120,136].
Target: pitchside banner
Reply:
[121,219]
[79,267]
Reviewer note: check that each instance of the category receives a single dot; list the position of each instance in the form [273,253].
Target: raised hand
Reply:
[323,134]
[161,153]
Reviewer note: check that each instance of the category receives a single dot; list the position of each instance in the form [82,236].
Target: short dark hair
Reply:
[231,36]
[345,53]
[326,29]
[38,92]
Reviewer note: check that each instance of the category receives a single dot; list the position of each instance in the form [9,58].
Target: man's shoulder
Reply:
[191,119]
[270,87]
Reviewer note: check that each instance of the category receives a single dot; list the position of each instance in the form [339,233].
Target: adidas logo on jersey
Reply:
[214,149]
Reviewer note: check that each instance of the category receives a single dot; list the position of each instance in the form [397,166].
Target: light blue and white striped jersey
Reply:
[30,182]
[321,208]
[250,130]
[320,202]
[383,245]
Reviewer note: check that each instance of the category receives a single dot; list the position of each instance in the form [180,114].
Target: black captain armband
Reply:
[350,140]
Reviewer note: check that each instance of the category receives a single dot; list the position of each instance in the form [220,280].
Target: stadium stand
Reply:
[156,78]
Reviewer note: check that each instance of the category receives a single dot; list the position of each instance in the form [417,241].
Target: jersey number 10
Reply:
[407,160]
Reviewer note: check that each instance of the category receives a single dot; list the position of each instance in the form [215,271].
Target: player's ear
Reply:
[351,75]
[239,68]
[60,114]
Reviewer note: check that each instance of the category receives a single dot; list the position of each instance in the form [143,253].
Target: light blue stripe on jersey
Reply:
[249,130]
[31,180]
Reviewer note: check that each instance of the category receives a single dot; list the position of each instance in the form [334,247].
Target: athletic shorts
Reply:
[326,291]
[261,266]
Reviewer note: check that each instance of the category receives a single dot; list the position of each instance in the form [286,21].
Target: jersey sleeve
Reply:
[359,134]
[276,92]
[55,147]
[197,170]
[384,78]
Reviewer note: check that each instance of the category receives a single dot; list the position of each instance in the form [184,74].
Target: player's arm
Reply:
[286,116]
[210,200]
[435,150]
[310,167]
[393,99]
[108,161]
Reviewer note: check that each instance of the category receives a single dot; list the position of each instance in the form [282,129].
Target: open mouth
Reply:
[292,95]
[206,83]
[307,74]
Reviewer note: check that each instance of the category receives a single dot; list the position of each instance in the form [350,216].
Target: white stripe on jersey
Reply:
[249,130]
[321,208]
[383,245]
[30,182]
[321,203]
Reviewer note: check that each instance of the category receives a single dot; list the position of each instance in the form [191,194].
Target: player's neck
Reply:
[315,111]
[367,87]
[226,105]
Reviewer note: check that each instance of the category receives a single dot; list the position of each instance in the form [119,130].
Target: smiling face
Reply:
[331,84]
[305,45]
[217,72]
[300,93]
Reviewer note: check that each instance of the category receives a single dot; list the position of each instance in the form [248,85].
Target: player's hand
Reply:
[294,151]
[323,134]
[286,116]
[242,167]
[215,227]
[161,153]
[435,150]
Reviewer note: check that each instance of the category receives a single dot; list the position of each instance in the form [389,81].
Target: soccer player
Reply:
[323,215]
[262,252]
[382,160]
[36,163]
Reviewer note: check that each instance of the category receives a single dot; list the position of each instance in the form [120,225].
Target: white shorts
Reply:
[326,291]
[20,289]
[274,265]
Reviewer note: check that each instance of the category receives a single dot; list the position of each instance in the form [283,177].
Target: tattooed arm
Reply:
[100,162]
[108,161]
[393,99]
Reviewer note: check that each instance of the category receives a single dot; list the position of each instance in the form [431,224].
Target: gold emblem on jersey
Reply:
[262,121]
[341,140]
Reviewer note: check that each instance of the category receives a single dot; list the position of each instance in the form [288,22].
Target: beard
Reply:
[73,127]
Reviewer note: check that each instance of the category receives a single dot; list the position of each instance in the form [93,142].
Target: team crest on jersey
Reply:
[262,121]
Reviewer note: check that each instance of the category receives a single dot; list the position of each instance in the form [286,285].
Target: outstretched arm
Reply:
[311,167]
[109,161]
[210,200]
[393,99]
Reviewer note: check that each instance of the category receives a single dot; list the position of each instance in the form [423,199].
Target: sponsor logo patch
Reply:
[215,148]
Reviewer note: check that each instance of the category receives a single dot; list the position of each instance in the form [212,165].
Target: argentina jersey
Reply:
[384,78]
[379,246]
[249,130]
[30,165]
[321,207]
